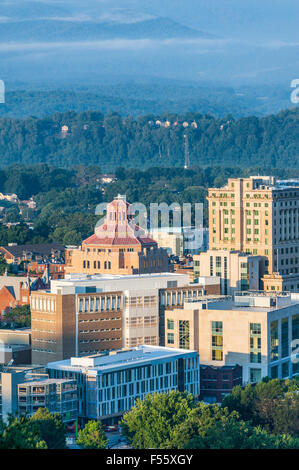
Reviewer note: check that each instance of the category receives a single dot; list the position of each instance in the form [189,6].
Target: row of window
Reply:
[96,304]
[96,264]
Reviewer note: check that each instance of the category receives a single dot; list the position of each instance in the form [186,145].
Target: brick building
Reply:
[56,270]
[86,314]
[217,382]
[15,291]
[15,254]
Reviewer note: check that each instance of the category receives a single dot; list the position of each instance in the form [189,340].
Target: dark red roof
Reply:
[124,236]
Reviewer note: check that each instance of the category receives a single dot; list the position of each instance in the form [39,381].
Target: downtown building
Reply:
[256,331]
[23,390]
[259,215]
[83,314]
[235,270]
[118,246]
[109,383]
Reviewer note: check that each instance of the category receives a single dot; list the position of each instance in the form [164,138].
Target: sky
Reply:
[247,41]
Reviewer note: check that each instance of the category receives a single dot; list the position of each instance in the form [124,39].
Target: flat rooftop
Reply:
[44,382]
[13,347]
[77,277]
[118,360]
[114,282]
[245,301]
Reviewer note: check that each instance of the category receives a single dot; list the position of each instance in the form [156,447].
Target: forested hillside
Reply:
[66,198]
[111,141]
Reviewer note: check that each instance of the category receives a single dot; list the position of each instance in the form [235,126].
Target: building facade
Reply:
[237,271]
[118,246]
[91,314]
[109,384]
[15,291]
[259,216]
[217,382]
[255,331]
[57,395]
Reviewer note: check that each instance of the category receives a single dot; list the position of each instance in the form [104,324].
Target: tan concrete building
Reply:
[85,314]
[236,271]
[171,239]
[255,331]
[258,215]
[15,346]
[117,247]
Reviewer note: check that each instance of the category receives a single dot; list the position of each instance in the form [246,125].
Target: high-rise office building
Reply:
[259,215]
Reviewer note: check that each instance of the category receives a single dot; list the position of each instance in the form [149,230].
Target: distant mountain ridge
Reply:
[51,30]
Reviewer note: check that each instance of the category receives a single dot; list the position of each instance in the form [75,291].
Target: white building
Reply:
[110,383]
[257,330]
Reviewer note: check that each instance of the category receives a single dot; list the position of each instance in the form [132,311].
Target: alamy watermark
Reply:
[2,92]
[295,92]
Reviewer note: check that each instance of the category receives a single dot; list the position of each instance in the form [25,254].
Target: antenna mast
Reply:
[187,155]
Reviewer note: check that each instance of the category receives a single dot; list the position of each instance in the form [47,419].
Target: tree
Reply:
[211,427]
[92,436]
[19,316]
[153,421]
[51,427]
[21,433]
[272,404]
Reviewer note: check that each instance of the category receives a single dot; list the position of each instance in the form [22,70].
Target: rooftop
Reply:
[44,381]
[118,360]
[77,283]
[259,301]
[45,249]
[267,183]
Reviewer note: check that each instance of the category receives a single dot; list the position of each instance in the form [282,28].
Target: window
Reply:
[285,369]
[255,343]
[274,340]
[170,324]
[184,334]
[217,341]
[284,337]
[274,372]
[255,375]
[170,338]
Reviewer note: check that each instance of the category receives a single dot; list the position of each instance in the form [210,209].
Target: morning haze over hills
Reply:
[157,58]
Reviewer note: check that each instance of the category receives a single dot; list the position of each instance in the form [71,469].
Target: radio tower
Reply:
[187,155]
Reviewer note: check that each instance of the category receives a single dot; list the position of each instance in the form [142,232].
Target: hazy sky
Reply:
[257,40]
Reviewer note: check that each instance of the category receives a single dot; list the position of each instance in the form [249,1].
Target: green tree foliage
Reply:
[212,427]
[152,423]
[19,317]
[51,428]
[273,404]
[4,266]
[92,436]
[174,421]
[21,433]
[111,141]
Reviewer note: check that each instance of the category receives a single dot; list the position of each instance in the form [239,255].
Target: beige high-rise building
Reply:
[259,215]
